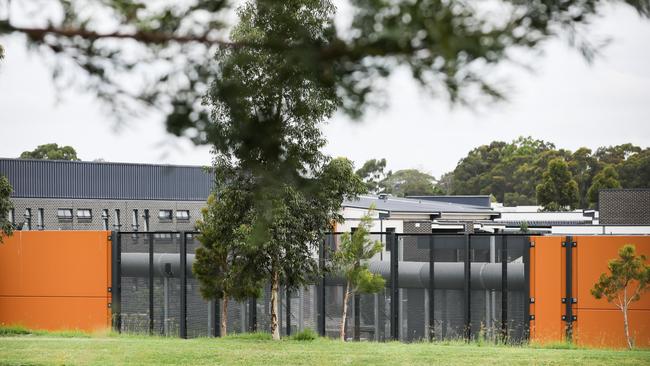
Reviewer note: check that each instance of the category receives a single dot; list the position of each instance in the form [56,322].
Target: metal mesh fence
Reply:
[464,300]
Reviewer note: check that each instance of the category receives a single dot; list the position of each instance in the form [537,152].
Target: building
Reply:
[74,195]
[624,206]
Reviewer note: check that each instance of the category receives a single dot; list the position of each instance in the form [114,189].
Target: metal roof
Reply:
[101,180]
[472,200]
[406,205]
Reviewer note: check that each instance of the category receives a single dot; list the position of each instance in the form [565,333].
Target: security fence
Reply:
[451,286]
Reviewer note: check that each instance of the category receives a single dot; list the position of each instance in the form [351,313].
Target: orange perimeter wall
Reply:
[56,280]
[599,323]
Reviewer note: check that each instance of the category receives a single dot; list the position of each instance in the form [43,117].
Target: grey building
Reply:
[67,195]
[629,206]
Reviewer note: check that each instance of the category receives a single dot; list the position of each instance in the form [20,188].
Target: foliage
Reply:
[606,178]
[449,47]
[51,152]
[6,227]
[410,182]
[306,334]
[627,281]
[512,171]
[372,173]
[558,191]
[223,262]
[350,258]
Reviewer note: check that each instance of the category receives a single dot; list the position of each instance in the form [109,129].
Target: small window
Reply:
[183,215]
[105,219]
[11,217]
[28,219]
[116,220]
[134,220]
[64,213]
[165,214]
[146,220]
[41,223]
[84,214]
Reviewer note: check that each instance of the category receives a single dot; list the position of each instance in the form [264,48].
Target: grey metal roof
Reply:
[406,205]
[100,180]
[473,200]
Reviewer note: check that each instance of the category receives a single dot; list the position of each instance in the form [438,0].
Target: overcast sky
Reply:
[564,100]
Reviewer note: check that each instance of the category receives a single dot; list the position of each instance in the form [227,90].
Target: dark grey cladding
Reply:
[100,180]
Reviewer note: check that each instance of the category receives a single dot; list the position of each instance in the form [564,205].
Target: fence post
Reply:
[504,288]
[151,315]
[287,307]
[116,278]
[394,286]
[467,288]
[431,334]
[569,300]
[321,288]
[527,317]
[357,317]
[183,270]
[252,314]
[216,329]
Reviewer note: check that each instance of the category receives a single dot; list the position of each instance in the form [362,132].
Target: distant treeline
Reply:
[512,171]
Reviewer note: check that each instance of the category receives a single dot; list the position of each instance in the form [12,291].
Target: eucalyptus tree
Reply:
[225,265]
[351,259]
[137,55]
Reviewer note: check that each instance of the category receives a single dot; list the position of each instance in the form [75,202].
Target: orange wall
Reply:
[599,323]
[56,279]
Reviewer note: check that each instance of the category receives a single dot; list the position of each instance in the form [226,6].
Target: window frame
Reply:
[186,218]
[166,218]
[64,217]
[84,218]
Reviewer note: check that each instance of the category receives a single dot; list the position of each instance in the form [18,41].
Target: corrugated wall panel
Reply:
[90,180]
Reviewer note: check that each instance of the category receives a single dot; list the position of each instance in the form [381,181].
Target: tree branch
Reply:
[140,36]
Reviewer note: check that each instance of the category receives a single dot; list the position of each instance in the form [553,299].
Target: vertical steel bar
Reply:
[527,246]
[321,288]
[569,288]
[288,310]
[504,288]
[252,315]
[183,270]
[467,288]
[431,335]
[357,317]
[151,315]
[116,278]
[216,329]
[394,285]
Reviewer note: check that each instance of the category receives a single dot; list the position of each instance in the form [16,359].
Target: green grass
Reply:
[19,346]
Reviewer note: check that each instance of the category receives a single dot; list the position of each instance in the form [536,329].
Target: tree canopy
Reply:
[511,171]
[137,55]
[6,228]
[51,152]
[557,191]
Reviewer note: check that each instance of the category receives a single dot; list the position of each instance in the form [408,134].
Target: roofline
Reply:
[107,163]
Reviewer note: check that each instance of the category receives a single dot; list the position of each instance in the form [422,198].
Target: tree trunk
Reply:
[224,315]
[275,284]
[627,329]
[346,298]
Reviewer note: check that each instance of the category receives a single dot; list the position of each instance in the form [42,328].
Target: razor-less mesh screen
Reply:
[374,310]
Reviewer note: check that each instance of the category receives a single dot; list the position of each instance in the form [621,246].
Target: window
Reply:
[134,220]
[28,219]
[64,213]
[165,215]
[84,214]
[105,219]
[11,217]
[183,215]
[41,224]
[146,220]
[116,223]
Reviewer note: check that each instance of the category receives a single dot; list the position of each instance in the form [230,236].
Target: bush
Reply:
[306,335]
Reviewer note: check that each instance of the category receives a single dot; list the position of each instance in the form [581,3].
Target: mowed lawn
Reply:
[58,349]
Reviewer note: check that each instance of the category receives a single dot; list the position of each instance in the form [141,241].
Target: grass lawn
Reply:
[27,348]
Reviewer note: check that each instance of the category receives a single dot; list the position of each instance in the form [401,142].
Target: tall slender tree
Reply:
[558,191]
[350,259]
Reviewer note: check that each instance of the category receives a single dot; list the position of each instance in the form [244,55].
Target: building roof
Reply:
[408,205]
[472,200]
[102,180]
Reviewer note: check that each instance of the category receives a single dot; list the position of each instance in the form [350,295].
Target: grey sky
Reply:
[563,100]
